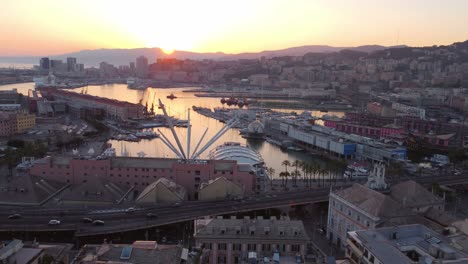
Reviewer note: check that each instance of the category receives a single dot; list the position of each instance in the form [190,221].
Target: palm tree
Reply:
[303,166]
[295,174]
[271,173]
[286,164]
[322,171]
[284,175]
[314,169]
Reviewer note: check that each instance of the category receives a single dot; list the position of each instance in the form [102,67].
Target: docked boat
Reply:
[356,171]
[171,96]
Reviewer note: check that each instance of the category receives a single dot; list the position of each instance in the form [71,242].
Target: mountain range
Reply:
[124,56]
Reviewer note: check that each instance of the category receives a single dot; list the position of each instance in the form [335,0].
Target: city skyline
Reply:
[56,27]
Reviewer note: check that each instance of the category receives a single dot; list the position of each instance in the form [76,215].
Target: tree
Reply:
[271,173]
[284,175]
[286,164]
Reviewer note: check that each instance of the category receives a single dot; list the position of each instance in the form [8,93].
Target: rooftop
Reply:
[394,244]
[372,202]
[253,229]
[139,253]
[412,194]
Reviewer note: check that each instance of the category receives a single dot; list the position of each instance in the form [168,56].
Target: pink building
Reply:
[141,172]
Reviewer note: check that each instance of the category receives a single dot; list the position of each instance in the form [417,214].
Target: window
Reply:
[349,212]
[266,247]
[295,248]
[197,172]
[237,247]
[207,245]
[283,248]
[222,246]
[221,259]
[252,247]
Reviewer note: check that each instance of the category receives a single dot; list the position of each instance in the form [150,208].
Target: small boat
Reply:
[171,96]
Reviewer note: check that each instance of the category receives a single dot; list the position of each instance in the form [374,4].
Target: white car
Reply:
[54,222]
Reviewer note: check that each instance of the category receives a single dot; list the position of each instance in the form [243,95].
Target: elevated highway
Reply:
[117,219]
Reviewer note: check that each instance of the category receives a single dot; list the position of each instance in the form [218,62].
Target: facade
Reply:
[220,188]
[6,125]
[162,191]
[44,63]
[141,172]
[406,244]
[112,108]
[142,67]
[358,208]
[233,241]
[71,64]
[24,122]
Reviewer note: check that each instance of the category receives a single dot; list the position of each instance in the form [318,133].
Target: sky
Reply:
[53,27]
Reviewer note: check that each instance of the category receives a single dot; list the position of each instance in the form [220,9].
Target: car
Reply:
[54,222]
[176,204]
[98,222]
[14,216]
[321,231]
[87,220]
[151,215]
[130,210]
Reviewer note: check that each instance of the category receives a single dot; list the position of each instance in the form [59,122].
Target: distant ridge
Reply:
[124,56]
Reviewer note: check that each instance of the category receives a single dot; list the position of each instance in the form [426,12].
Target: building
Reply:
[220,188]
[234,241]
[402,244]
[15,252]
[141,67]
[246,157]
[114,109]
[6,125]
[417,198]
[141,252]
[142,172]
[24,122]
[44,64]
[71,64]
[358,208]
[162,191]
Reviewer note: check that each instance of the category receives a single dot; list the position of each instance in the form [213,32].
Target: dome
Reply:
[235,151]
[256,127]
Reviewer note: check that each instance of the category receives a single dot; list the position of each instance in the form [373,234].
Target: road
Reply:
[118,220]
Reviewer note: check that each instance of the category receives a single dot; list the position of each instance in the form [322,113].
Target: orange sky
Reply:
[49,27]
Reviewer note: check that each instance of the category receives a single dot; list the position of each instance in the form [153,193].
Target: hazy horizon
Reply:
[54,27]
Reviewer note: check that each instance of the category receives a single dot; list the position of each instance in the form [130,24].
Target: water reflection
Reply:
[272,154]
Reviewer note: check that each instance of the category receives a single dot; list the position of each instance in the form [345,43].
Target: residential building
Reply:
[358,208]
[44,63]
[24,122]
[141,252]
[6,125]
[15,252]
[141,67]
[233,241]
[402,244]
[71,64]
